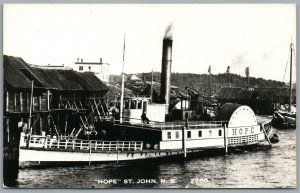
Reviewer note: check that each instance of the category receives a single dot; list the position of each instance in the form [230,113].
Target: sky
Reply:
[255,36]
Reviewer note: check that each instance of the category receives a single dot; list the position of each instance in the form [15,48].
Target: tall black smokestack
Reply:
[166,67]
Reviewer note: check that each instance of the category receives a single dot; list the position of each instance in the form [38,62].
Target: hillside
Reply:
[200,82]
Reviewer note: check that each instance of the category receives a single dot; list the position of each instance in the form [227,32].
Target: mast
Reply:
[228,72]
[209,74]
[30,108]
[247,71]
[151,91]
[122,87]
[291,68]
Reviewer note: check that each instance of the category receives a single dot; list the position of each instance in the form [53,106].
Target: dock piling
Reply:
[263,128]
[90,149]
[118,157]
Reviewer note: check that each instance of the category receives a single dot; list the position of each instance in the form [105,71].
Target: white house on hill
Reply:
[100,69]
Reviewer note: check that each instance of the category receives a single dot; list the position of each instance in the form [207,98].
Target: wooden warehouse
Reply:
[262,100]
[62,101]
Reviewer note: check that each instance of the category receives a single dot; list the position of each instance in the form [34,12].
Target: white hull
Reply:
[35,157]
[30,157]
[42,149]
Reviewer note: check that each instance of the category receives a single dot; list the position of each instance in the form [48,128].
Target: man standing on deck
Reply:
[145,118]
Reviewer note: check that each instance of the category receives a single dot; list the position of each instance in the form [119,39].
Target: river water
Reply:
[256,167]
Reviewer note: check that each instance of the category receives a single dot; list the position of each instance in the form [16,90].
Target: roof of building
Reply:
[230,93]
[133,77]
[156,88]
[92,63]
[280,92]
[263,94]
[13,76]
[115,91]
[18,74]
[245,94]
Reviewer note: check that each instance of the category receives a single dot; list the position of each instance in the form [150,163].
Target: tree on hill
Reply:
[200,82]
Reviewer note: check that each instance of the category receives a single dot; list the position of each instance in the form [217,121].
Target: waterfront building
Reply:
[55,97]
[100,69]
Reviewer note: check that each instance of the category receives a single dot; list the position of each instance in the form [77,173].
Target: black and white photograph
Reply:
[145,96]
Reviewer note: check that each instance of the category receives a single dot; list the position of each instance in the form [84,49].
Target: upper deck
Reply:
[175,125]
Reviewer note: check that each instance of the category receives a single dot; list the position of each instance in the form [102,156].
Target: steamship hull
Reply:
[155,140]
[41,157]
[28,157]
[44,152]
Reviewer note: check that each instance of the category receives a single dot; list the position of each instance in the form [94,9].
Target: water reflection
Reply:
[256,167]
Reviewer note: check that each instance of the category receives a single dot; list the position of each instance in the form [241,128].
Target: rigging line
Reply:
[294,61]
[287,62]
[113,84]
[294,54]
[87,121]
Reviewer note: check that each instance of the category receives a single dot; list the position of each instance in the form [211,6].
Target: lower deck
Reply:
[37,157]
[140,143]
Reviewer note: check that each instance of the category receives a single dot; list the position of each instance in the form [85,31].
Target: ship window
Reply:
[169,135]
[139,104]
[220,132]
[126,104]
[144,106]
[80,68]
[189,134]
[177,134]
[89,67]
[200,133]
[210,133]
[133,105]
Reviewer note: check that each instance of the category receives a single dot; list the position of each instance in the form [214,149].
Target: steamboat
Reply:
[75,125]
[137,140]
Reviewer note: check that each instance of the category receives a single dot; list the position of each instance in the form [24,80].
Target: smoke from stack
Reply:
[166,66]
[168,33]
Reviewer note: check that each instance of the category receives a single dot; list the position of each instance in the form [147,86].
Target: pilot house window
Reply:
[220,132]
[126,104]
[133,105]
[140,104]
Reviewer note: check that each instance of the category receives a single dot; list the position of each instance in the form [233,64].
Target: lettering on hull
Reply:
[242,131]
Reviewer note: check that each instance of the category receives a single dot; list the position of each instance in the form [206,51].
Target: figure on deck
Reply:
[145,118]
[115,114]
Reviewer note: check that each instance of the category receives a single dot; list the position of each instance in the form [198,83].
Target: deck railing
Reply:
[77,144]
[179,125]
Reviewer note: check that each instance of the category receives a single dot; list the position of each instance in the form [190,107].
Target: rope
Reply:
[287,62]
[294,53]
[54,125]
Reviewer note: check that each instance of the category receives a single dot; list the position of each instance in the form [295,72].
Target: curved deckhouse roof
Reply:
[226,110]
[18,74]
[237,115]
